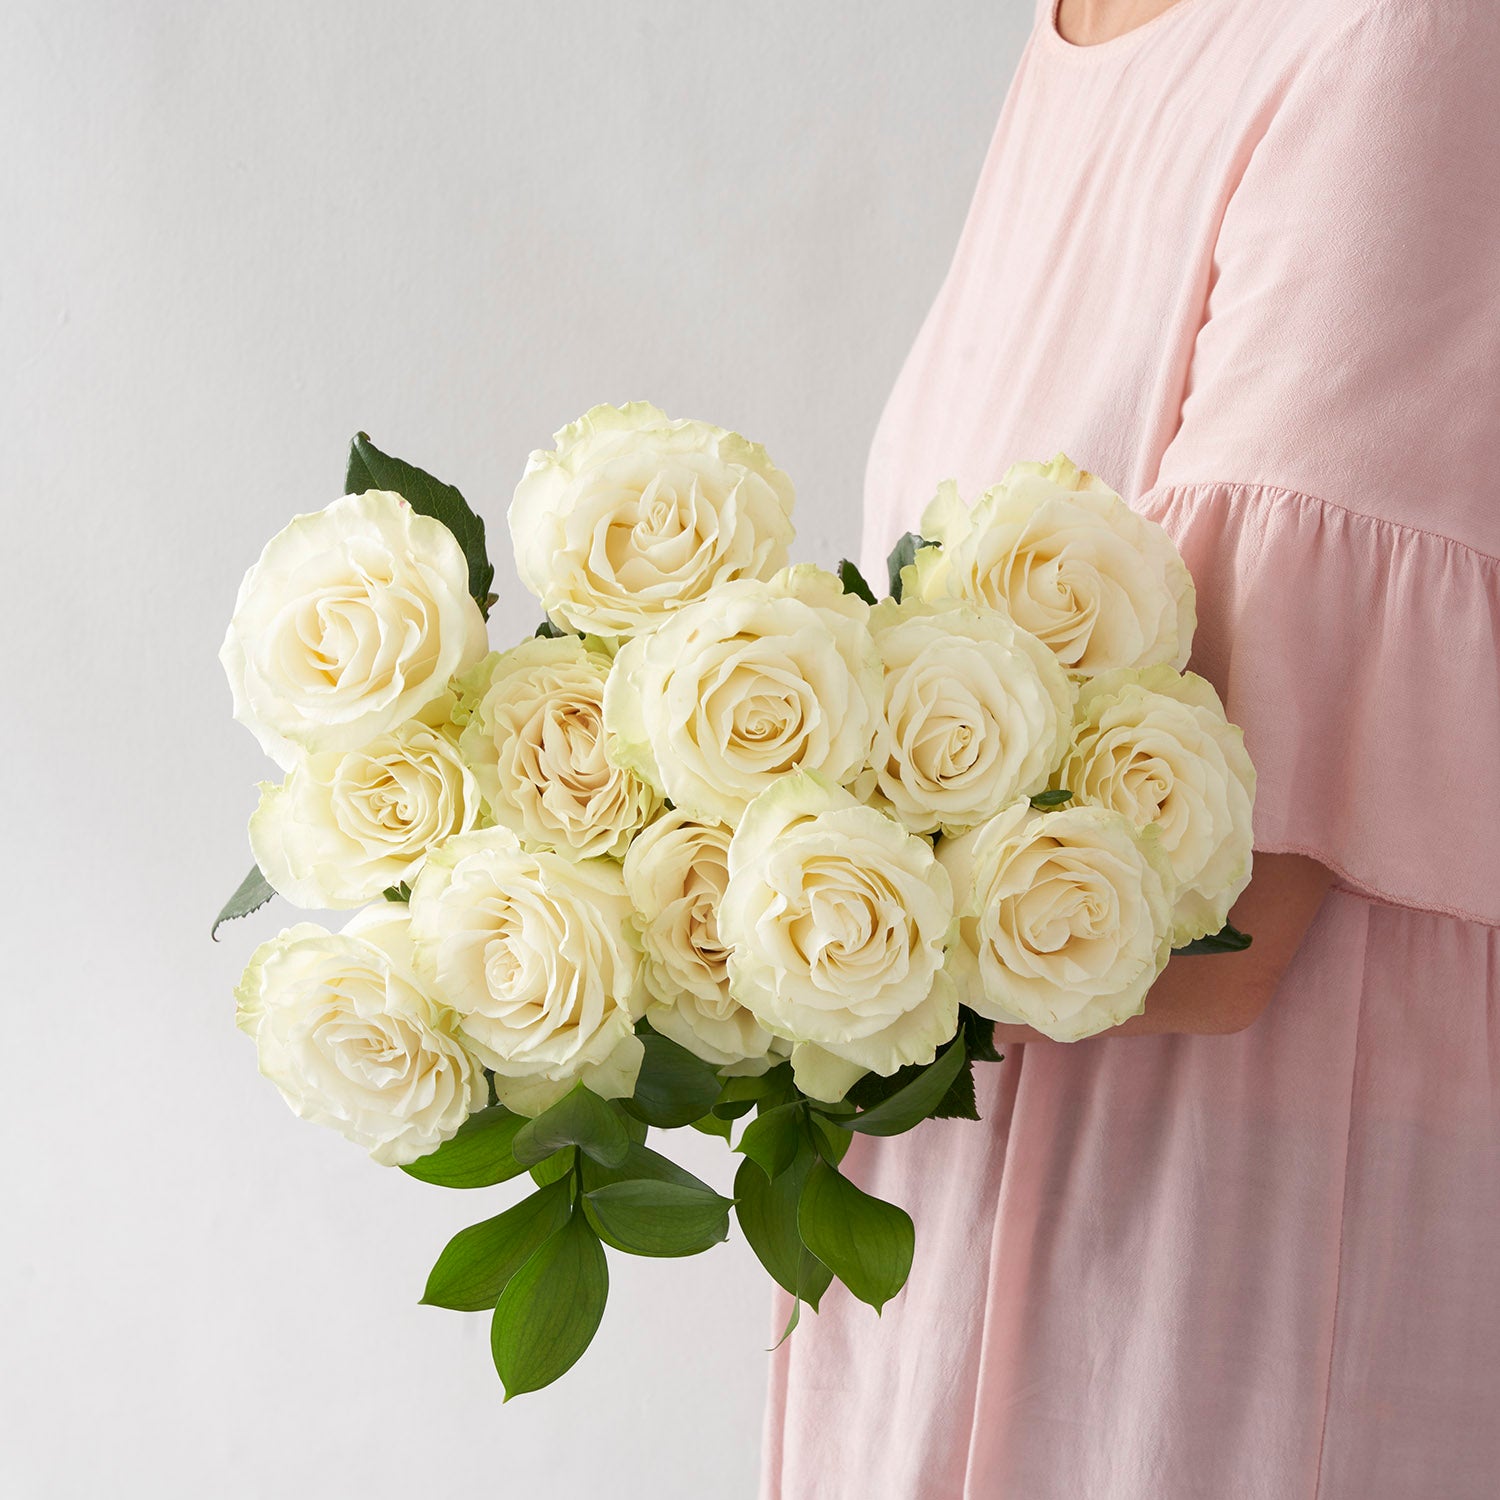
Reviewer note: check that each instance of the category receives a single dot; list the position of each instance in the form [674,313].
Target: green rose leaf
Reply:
[479,1155]
[866,1242]
[370,469]
[979,1035]
[473,1269]
[1044,800]
[767,1212]
[577,1119]
[1228,939]
[550,1309]
[250,895]
[659,1218]
[771,1141]
[912,1104]
[902,555]
[854,582]
[641,1162]
[674,1088]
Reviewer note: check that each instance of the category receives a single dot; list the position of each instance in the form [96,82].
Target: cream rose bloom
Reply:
[346,825]
[530,950]
[977,712]
[351,623]
[1068,560]
[632,515]
[1065,918]
[837,920]
[343,1028]
[675,874]
[733,692]
[1156,746]
[534,737]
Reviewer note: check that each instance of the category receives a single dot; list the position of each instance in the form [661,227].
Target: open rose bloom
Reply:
[728,843]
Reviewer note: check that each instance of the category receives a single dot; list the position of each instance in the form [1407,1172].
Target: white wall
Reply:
[231,235]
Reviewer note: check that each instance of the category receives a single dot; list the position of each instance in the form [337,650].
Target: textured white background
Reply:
[231,235]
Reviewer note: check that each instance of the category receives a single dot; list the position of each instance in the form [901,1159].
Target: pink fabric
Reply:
[1244,262]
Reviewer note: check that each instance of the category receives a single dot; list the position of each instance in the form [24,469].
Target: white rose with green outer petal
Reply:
[837,920]
[351,623]
[675,874]
[734,692]
[534,737]
[1157,747]
[531,952]
[977,712]
[633,515]
[1068,560]
[346,825]
[345,1030]
[1065,918]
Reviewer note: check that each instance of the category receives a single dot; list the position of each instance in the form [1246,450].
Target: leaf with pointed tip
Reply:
[659,1218]
[472,1271]
[915,1102]
[772,1139]
[854,582]
[767,1214]
[479,1155]
[902,555]
[550,1309]
[370,469]
[1228,939]
[674,1087]
[579,1118]
[1056,798]
[866,1242]
[250,895]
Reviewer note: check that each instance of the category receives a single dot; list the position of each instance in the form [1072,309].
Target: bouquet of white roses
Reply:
[728,844]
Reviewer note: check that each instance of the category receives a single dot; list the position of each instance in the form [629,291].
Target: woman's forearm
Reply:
[1212,996]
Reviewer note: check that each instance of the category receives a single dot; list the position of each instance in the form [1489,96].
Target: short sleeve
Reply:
[1334,483]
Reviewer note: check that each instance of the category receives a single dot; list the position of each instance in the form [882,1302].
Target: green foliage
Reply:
[480,1155]
[473,1270]
[555,1167]
[658,1218]
[772,1140]
[866,1242]
[1228,939]
[854,582]
[250,895]
[400,892]
[915,1101]
[902,555]
[640,1163]
[370,469]
[767,1212]
[550,631]
[1044,801]
[674,1088]
[979,1035]
[581,1119]
[550,1309]
[738,1096]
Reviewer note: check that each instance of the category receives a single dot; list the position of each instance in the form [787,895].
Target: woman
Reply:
[1242,259]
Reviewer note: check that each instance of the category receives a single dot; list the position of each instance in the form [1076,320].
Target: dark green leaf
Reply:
[636,1129]
[1044,800]
[555,1167]
[370,469]
[480,1155]
[866,1242]
[712,1125]
[854,582]
[659,1218]
[577,1119]
[550,1309]
[400,892]
[771,1140]
[979,1035]
[832,1142]
[472,1271]
[960,1102]
[814,1278]
[641,1162]
[902,555]
[674,1088]
[549,630]
[738,1096]
[1228,939]
[767,1212]
[912,1104]
[250,895]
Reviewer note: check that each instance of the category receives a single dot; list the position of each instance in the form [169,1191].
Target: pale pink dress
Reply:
[1245,263]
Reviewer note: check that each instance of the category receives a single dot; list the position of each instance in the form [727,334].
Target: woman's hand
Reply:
[1213,996]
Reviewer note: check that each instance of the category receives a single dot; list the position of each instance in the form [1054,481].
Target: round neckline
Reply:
[1116,45]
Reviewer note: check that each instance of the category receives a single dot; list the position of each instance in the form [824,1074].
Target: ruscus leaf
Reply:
[477,1262]
[674,1087]
[579,1119]
[767,1213]
[659,1218]
[250,895]
[912,1104]
[479,1155]
[771,1140]
[866,1242]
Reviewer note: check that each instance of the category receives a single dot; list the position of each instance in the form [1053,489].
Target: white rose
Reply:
[530,950]
[535,740]
[837,920]
[633,515]
[1156,746]
[977,712]
[344,1030]
[735,691]
[1069,561]
[351,623]
[1065,918]
[346,825]
[675,875]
